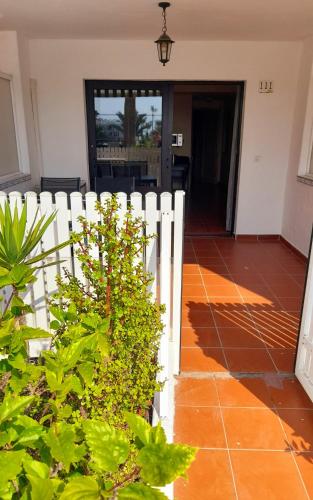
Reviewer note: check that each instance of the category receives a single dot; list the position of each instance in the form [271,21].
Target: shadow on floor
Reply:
[237,398]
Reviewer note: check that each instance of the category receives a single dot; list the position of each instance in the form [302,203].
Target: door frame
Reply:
[167,121]
[241,88]
[235,160]
[167,87]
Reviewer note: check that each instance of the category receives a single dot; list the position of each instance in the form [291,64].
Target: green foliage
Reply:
[17,242]
[115,301]
[64,432]
[77,461]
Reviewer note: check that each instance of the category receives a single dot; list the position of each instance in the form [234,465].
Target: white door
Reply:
[304,364]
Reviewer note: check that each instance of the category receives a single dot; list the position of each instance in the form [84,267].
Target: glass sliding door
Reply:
[128,132]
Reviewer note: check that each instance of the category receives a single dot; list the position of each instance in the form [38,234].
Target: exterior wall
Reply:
[298,210]
[60,67]
[33,144]
[10,64]
[13,61]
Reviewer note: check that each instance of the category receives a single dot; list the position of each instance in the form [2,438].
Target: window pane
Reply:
[128,131]
[8,148]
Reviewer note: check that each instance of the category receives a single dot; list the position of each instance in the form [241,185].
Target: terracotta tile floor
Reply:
[237,398]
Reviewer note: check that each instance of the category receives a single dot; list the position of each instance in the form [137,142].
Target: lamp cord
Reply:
[164,29]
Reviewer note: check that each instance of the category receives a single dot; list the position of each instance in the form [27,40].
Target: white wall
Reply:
[60,67]
[33,146]
[298,211]
[10,64]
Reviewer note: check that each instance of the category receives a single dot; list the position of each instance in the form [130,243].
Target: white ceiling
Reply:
[141,19]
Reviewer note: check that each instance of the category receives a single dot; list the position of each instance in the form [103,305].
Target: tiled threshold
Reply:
[237,399]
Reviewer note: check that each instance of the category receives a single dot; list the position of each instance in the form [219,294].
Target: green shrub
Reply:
[57,436]
[116,298]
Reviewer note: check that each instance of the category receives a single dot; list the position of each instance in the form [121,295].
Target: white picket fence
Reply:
[163,259]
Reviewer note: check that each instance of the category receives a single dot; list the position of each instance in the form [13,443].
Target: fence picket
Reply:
[62,230]
[136,204]
[3,198]
[15,199]
[104,197]
[5,292]
[122,201]
[92,216]
[49,241]
[76,211]
[177,276]
[39,291]
[165,296]
[151,250]
[29,294]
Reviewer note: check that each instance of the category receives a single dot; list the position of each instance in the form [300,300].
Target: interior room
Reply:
[206,137]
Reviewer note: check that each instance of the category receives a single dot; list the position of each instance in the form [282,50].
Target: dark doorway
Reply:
[215,122]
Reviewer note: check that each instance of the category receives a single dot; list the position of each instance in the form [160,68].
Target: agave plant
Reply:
[17,244]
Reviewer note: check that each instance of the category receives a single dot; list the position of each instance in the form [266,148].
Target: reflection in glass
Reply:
[128,130]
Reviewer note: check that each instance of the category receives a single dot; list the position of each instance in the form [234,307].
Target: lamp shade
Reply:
[164,46]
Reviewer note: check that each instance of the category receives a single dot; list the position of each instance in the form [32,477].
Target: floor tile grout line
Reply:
[222,416]
[292,453]
[226,441]
[270,450]
[278,298]
[261,408]
[251,316]
[215,325]
[266,347]
[220,411]
[228,375]
[274,409]
[237,347]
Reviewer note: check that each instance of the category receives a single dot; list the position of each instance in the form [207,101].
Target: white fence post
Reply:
[165,296]
[151,250]
[39,287]
[92,216]
[177,276]
[77,211]
[62,229]
[136,203]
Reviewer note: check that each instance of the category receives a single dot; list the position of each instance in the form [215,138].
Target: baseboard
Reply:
[257,237]
[271,237]
[294,249]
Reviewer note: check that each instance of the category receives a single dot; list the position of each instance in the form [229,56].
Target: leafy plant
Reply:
[64,432]
[17,242]
[75,462]
[115,299]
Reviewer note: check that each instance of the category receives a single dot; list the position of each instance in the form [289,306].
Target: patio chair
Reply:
[180,171]
[104,168]
[139,170]
[65,184]
[121,170]
[115,185]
